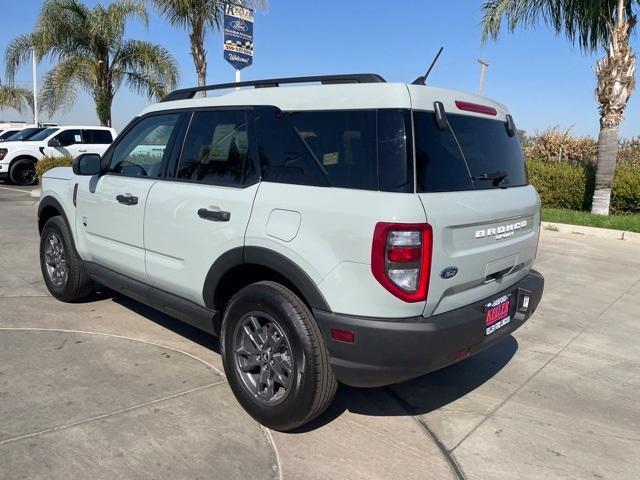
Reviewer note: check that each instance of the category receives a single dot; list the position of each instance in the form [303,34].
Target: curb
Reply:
[591,231]
[35,193]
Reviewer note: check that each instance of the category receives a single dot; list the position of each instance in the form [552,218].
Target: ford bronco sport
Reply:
[354,231]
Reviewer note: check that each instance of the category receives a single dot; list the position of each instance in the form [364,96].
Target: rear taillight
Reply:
[401,259]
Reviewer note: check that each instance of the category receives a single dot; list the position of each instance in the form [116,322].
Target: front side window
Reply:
[216,148]
[67,138]
[141,151]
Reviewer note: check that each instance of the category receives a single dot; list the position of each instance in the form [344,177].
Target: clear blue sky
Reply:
[543,79]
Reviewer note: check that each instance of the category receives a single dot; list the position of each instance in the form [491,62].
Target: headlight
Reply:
[3,153]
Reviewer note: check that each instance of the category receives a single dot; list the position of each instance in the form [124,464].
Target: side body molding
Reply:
[265,258]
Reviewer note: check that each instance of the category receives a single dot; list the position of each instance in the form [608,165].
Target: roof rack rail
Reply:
[186,93]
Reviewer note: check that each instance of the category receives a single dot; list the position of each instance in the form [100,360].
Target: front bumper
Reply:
[388,351]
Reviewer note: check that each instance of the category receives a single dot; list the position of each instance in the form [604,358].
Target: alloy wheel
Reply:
[55,260]
[262,357]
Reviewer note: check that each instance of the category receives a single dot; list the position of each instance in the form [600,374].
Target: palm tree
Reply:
[197,16]
[92,54]
[16,98]
[592,24]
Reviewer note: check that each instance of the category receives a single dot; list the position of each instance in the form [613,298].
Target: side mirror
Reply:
[54,142]
[87,164]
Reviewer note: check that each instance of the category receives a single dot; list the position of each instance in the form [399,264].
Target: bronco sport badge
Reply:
[503,231]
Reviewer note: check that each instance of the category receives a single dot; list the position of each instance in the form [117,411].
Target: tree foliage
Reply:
[91,54]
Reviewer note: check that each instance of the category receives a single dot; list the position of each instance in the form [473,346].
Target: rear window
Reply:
[360,149]
[472,154]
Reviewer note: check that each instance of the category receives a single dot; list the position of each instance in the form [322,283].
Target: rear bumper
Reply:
[388,351]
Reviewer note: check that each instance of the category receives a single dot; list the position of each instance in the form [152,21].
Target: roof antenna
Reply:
[422,80]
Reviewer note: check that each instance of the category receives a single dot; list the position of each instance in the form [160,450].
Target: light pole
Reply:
[484,64]
[35,88]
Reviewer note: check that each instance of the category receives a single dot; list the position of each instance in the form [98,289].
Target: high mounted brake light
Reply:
[476,108]
[401,259]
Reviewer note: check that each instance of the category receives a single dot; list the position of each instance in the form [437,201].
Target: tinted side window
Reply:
[141,151]
[69,137]
[216,148]
[284,157]
[343,144]
[97,137]
[440,166]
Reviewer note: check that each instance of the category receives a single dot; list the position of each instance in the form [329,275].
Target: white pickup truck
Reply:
[18,158]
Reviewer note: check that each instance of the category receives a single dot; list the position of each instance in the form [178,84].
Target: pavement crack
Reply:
[455,467]
[110,414]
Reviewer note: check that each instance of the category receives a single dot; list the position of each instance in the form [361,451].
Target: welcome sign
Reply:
[238,36]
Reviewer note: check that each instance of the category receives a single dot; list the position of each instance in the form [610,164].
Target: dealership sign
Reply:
[238,36]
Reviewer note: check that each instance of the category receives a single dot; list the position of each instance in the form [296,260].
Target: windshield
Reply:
[6,134]
[24,134]
[472,154]
[43,134]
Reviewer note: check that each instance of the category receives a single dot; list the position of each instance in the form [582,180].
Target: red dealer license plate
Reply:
[497,314]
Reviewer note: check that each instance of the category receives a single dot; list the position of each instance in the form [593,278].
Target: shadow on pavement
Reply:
[414,397]
[423,394]
[198,336]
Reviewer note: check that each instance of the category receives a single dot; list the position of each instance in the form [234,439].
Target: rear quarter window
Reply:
[359,149]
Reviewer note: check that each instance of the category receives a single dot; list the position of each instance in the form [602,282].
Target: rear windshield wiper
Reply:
[497,177]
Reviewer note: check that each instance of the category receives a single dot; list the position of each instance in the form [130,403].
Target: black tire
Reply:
[312,384]
[23,172]
[76,285]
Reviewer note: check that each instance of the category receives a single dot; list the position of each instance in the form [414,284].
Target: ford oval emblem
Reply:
[239,25]
[449,272]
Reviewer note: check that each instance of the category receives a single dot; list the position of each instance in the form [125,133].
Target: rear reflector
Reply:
[476,108]
[346,336]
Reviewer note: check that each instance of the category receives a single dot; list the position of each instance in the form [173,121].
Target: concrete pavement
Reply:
[110,388]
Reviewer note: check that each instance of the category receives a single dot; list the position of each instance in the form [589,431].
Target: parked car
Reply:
[20,152]
[355,231]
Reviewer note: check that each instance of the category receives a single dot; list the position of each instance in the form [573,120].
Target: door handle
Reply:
[214,215]
[127,199]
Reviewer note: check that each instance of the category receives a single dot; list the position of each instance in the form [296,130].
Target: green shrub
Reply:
[562,185]
[47,163]
[625,194]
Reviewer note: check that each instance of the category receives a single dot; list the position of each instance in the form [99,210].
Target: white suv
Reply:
[18,158]
[355,231]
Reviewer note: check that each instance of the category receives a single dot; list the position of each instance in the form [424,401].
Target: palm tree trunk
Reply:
[616,82]
[104,100]
[199,55]
[607,154]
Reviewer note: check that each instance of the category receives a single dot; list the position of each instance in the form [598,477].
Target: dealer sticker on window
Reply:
[497,314]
